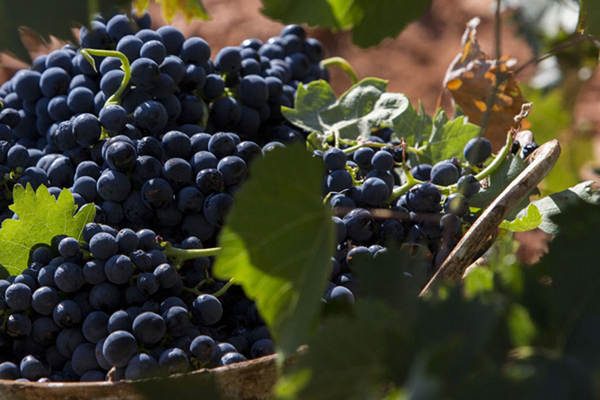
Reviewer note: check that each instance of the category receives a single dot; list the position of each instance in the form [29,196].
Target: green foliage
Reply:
[498,181]
[589,17]
[278,242]
[41,218]
[448,138]
[553,205]
[370,21]
[531,219]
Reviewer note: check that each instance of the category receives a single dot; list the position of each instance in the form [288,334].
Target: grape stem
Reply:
[343,64]
[189,254]
[115,98]
[446,190]
[224,288]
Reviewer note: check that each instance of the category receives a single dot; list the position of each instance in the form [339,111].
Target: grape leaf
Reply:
[190,9]
[448,138]
[498,181]
[278,241]
[529,219]
[589,17]
[553,205]
[484,87]
[41,218]
[371,21]
[362,108]
[310,100]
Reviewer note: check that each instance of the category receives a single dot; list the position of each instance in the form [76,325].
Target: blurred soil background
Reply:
[415,64]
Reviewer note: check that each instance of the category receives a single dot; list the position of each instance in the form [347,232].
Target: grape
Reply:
[54,81]
[118,348]
[177,172]
[424,197]
[87,130]
[203,348]
[468,186]
[359,224]
[9,370]
[44,331]
[154,50]
[157,193]
[231,358]
[216,208]
[149,327]
[18,296]
[195,51]
[174,361]
[130,45]
[263,347]
[103,246]
[44,299]
[528,149]
[339,180]
[17,156]
[68,247]
[150,116]
[84,359]
[207,310]
[190,200]
[118,27]
[225,113]
[27,85]
[118,269]
[214,86]
[176,144]
[173,39]
[177,320]
[95,326]
[121,156]
[477,150]
[140,366]
[113,185]
[67,313]
[456,204]
[444,173]
[145,73]
[33,369]
[113,118]
[18,325]
[375,191]
[233,169]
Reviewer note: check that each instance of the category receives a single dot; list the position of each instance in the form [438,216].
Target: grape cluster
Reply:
[161,156]
[359,188]
[117,302]
[166,151]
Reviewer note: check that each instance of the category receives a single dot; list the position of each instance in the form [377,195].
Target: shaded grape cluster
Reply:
[117,303]
[359,187]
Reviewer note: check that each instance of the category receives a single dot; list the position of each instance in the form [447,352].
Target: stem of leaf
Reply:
[224,288]
[343,64]
[189,254]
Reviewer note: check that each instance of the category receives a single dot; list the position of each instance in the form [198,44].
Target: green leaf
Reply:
[35,14]
[371,20]
[310,100]
[448,138]
[479,280]
[278,242]
[190,9]
[347,360]
[361,109]
[41,218]
[521,328]
[590,16]
[531,219]
[553,205]
[498,181]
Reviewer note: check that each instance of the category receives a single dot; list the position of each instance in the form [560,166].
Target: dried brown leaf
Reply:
[476,81]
